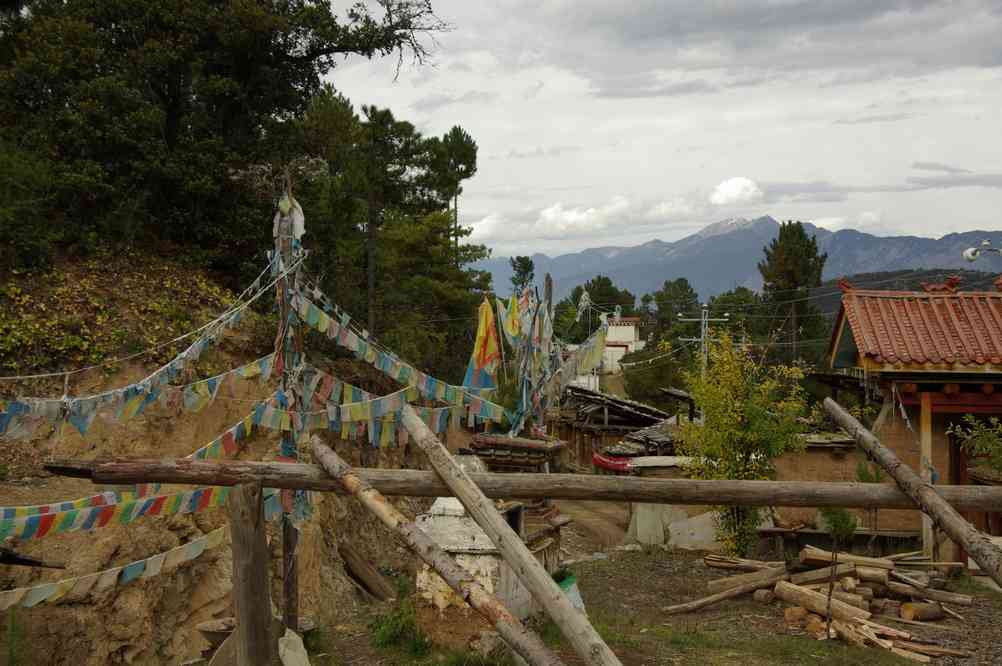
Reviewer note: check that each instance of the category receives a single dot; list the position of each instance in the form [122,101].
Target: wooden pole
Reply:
[256,645]
[520,639]
[925,464]
[291,353]
[975,543]
[587,487]
[574,625]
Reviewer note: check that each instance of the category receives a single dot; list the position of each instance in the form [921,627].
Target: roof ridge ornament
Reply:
[844,284]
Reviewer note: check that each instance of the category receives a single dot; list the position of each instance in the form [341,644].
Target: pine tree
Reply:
[791,267]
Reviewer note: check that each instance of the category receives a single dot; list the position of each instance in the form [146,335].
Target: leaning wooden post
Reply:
[978,546]
[520,639]
[574,624]
[256,646]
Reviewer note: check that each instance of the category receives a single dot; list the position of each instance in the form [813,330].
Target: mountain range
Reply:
[725,255]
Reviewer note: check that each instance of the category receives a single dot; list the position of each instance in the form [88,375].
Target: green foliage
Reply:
[868,473]
[841,524]
[129,120]
[644,381]
[674,298]
[604,295]
[13,638]
[398,628]
[981,438]
[751,416]
[792,266]
[523,273]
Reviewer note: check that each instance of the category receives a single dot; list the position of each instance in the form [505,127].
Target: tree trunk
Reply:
[573,624]
[587,487]
[367,574]
[816,556]
[256,644]
[872,575]
[773,576]
[915,610]
[520,639]
[818,575]
[370,264]
[817,602]
[975,543]
[721,584]
[934,595]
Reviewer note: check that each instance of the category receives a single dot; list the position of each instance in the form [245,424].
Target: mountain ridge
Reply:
[725,255]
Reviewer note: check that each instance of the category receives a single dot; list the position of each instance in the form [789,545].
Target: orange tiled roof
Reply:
[926,327]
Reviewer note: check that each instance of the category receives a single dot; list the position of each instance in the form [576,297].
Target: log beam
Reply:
[929,498]
[572,623]
[520,639]
[528,486]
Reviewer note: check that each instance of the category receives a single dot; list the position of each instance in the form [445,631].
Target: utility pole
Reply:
[704,332]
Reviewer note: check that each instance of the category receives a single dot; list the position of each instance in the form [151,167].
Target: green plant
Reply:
[868,473]
[13,639]
[981,438]
[4,471]
[751,416]
[841,526]
[398,628]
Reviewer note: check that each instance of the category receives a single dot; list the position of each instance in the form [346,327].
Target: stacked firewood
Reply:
[863,591]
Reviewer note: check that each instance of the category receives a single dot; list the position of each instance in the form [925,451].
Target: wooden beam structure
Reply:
[256,643]
[933,503]
[572,623]
[521,640]
[586,487]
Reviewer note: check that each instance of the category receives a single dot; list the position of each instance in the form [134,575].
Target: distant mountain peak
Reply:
[731,225]
[726,254]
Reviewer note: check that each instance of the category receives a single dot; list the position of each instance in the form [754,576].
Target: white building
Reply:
[623,337]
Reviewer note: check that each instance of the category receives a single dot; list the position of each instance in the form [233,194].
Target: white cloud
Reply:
[870,218]
[612,220]
[674,208]
[867,220]
[738,190]
[829,223]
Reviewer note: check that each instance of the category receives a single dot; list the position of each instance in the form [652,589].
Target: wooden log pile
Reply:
[866,594]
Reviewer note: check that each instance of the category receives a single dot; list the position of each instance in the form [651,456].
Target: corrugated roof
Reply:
[910,327]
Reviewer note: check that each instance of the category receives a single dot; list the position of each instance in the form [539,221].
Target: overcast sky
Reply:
[612,123]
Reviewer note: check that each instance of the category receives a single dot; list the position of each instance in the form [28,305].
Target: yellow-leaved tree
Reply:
[750,417]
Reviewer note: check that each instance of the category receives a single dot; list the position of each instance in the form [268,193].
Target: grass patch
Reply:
[398,629]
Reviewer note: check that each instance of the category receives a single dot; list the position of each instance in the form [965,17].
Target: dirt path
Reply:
[599,524]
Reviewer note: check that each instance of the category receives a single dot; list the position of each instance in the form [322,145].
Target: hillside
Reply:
[725,255]
[115,305]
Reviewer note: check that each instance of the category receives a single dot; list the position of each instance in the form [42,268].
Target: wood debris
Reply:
[865,593]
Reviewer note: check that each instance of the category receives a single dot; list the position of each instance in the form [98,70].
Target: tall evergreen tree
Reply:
[456,160]
[791,267]
[523,273]
[142,111]
[391,150]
